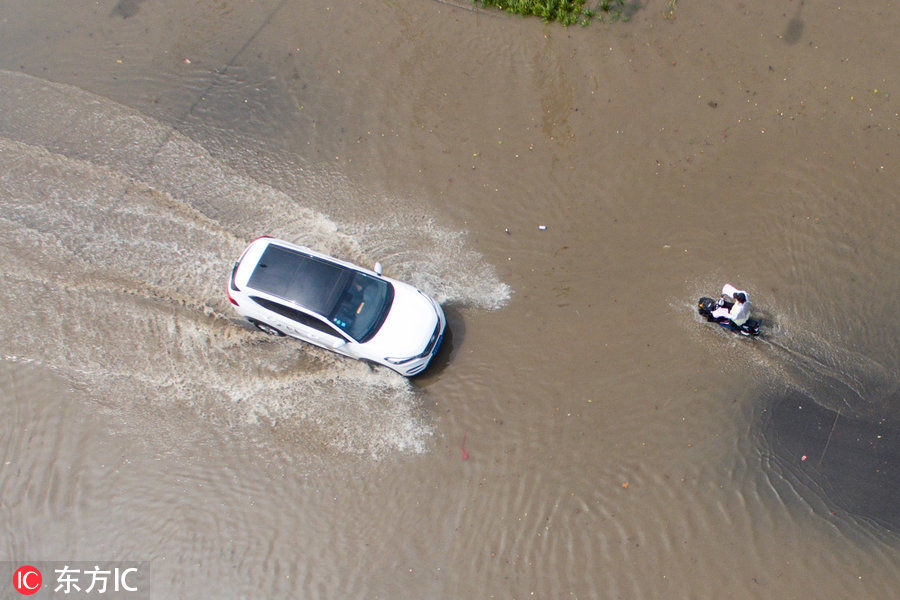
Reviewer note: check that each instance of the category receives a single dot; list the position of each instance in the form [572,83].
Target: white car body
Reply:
[285,289]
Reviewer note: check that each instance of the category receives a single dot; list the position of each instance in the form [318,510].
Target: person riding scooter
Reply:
[734,305]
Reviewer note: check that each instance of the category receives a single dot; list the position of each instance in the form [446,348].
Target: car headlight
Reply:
[400,361]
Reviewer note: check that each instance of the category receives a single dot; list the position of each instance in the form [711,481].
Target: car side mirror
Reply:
[377,269]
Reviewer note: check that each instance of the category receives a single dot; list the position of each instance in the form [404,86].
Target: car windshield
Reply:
[363,306]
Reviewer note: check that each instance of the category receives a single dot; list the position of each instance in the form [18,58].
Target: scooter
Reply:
[706,306]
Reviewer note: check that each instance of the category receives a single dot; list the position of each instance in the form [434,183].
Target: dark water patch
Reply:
[794,30]
[126,8]
[849,461]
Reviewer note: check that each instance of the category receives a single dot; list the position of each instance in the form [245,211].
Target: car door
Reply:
[306,327]
[316,331]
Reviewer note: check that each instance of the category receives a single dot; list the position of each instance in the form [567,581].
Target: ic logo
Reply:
[27,580]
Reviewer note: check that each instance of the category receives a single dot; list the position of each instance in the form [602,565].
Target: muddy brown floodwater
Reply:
[567,194]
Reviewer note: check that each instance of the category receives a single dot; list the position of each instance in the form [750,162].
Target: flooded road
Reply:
[567,194]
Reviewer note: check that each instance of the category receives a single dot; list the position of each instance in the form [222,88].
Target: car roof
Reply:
[309,281]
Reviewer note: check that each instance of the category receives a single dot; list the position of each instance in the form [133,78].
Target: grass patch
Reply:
[566,12]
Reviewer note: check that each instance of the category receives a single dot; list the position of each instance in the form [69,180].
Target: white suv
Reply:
[285,289]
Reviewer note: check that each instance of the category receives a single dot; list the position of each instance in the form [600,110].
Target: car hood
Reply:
[408,326]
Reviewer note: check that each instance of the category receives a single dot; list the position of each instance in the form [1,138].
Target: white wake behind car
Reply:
[285,289]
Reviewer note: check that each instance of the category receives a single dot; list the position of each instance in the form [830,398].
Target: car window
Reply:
[307,281]
[296,315]
[362,307]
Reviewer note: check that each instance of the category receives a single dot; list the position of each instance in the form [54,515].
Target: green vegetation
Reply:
[566,12]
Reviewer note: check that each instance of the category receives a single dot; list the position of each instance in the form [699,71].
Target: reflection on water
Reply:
[831,424]
[848,460]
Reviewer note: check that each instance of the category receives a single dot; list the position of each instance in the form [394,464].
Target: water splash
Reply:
[117,234]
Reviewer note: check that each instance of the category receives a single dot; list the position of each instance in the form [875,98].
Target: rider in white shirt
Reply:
[739,311]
